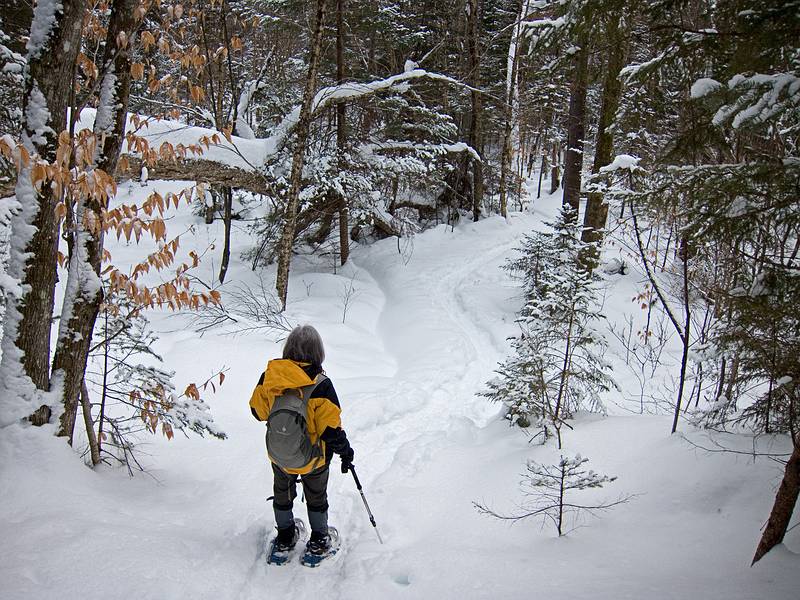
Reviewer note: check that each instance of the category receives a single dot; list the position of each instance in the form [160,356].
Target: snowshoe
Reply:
[320,547]
[284,546]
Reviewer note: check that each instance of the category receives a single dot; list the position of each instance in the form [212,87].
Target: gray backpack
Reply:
[288,441]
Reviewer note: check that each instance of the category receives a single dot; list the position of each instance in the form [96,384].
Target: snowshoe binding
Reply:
[283,547]
[320,547]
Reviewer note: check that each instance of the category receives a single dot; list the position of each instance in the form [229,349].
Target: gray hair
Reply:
[304,344]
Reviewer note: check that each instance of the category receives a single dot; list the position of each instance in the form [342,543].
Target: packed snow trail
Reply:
[396,424]
[421,335]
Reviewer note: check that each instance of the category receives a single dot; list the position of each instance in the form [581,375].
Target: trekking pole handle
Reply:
[358,483]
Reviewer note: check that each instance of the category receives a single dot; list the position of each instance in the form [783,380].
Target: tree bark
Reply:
[55,41]
[301,139]
[575,132]
[83,294]
[213,35]
[541,176]
[512,67]
[782,509]
[86,405]
[594,220]
[205,171]
[684,334]
[476,118]
[555,181]
[341,134]
[227,217]
[48,80]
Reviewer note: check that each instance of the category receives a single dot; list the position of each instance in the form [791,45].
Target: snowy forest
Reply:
[538,238]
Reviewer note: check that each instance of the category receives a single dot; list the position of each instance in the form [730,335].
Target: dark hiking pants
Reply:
[315,488]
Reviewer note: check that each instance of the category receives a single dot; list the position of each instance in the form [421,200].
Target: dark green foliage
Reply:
[557,366]
[718,140]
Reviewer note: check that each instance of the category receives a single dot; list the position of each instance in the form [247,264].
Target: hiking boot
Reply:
[286,538]
[319,543]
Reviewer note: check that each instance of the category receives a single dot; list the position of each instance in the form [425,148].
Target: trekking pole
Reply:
[369,512]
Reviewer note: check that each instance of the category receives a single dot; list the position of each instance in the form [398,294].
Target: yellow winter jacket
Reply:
[283,374]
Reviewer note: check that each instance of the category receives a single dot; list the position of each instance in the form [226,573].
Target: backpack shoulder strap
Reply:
[309,389]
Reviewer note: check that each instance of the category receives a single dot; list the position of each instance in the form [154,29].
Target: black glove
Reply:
[347,459]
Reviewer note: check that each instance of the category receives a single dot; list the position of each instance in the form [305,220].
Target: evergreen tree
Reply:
[557,367]
[551,489]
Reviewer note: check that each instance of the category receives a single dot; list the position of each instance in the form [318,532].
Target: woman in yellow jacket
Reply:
[300,369]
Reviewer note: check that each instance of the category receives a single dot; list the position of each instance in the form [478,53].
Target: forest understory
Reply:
[551,246]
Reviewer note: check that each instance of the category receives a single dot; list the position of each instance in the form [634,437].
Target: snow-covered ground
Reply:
[422,333]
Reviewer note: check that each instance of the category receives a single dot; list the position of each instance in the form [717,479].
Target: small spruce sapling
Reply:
[557,366]
[551,488]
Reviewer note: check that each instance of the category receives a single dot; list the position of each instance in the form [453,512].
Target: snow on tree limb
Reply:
[761,98]
[239,161]
[350,91]
[369,149]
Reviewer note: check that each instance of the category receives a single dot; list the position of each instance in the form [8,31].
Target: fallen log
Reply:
[205,171]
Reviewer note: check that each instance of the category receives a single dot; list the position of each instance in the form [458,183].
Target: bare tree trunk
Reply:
[341,132]
[560,520]
[104,394]
[54,45]
[25,366]
[476,119]
[84,287]
[573,164]
[562,384]
[86,405]
[227,217]
[555,166]
[594,220]
[782,509]
[682,330]
[512,67]
[541,176]
[685,339]
[301,139]
[733,378]
[209,212]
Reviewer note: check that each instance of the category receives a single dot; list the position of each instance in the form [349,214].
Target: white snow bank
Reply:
[422,333]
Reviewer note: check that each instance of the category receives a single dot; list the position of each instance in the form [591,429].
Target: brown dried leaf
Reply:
[137,71]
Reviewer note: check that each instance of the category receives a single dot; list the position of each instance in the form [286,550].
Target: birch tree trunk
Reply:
[573,163]
[301,139]
[52,50]
[84,288]
[512,86]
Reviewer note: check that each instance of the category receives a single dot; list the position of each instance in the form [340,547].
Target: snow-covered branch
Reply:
[350,91]
[370,149]
[762,97]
